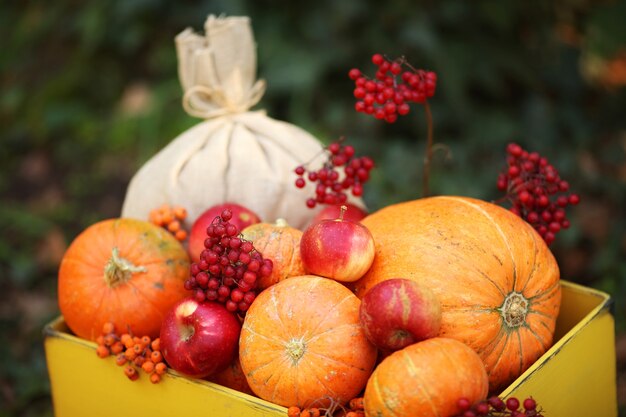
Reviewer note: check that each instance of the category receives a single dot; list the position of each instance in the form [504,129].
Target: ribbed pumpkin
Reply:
[280,243]
[125,271]
[426,379]
[301,343]
[497,281]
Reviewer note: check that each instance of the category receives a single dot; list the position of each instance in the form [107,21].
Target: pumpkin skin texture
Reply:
[497,281]
[125,271]
[280,243]
[426,379]
[301,343]
[232,377]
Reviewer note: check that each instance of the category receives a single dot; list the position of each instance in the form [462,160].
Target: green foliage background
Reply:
[89,91]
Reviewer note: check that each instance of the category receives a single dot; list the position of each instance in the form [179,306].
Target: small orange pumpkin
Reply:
[302,344]
[233,378]
[280,243]
[497,280]
[426,379]
[125,271]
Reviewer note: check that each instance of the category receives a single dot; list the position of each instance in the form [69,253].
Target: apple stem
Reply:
[186,332]
[119,270]
[342,211]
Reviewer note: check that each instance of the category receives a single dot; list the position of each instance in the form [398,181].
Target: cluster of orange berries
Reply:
[132,352]
[355,409]
[295,411]
[171,219]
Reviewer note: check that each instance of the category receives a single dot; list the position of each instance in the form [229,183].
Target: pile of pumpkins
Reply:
[302,342]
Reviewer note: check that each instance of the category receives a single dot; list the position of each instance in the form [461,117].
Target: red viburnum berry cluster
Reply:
[229,267]
[536,191]
[395,85]
[497,407]
[332,183]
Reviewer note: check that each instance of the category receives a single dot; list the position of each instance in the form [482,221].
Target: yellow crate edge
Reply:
[603,305]
[265,407]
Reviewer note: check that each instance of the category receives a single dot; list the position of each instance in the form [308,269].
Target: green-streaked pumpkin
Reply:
[426,379]
[279,242]
[125,271]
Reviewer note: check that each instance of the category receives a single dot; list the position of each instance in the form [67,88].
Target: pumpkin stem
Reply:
[119,270]
[514,309]
[295,349]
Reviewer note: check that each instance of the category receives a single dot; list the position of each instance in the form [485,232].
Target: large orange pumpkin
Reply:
[125,271]
[280,243]
[302,344]
[426,379]
[497,281]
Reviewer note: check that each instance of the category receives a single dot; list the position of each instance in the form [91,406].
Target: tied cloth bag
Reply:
[234,155]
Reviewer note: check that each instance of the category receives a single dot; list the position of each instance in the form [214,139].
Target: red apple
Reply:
[398,312]
[354,213]
[199,339]
[339,249]
[242,218]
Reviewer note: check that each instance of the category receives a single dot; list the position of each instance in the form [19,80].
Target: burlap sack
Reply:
[234,155]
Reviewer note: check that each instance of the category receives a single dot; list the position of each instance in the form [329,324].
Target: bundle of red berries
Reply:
[332,184]
[395,85]
[496,407]
[536,191]
[229,267]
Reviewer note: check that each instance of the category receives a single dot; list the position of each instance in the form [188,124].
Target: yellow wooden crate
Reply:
[576,377]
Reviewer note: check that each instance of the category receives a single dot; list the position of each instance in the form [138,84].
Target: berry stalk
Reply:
[342,171]
[229,267]
[429,151]
[497,407]
[535,191]
[396,85]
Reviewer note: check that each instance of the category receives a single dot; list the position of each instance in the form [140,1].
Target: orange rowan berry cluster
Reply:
[355,409]
[295,411]
[132,352]
[171,219]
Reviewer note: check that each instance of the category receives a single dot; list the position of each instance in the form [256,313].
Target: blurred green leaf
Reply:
[605,29]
